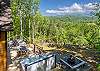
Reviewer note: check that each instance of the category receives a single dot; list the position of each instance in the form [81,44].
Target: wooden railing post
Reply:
[26,67]
[3,52]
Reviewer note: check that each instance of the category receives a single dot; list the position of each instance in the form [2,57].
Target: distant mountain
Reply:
[74,18]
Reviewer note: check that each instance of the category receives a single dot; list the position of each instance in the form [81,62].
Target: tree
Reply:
[22,13]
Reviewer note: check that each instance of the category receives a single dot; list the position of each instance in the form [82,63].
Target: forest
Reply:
[32,27]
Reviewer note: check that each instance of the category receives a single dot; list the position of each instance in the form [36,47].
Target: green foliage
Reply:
[36,5]
[66,30]
[98,67]
[98,16]
[79,30]
[22,16]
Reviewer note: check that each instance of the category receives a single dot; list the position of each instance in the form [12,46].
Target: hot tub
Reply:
[79,64]
[44,62]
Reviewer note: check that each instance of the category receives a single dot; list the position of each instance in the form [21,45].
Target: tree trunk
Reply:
[33,32]
[29,31]
[21,25]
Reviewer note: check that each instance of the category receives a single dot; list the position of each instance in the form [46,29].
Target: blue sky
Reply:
[62,7]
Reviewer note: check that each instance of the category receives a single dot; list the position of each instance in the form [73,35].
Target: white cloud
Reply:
[72,9]
[55,11]
[75,8]
[90,6]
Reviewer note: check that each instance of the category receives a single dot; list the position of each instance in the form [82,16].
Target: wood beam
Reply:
[3,51]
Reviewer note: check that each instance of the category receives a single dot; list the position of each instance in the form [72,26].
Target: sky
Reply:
[63,7]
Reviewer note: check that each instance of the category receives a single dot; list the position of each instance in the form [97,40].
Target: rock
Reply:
[13,54]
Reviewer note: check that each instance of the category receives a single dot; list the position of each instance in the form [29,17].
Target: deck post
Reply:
[26,67]
[55,61]
[3,51]
[34,48]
